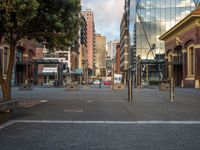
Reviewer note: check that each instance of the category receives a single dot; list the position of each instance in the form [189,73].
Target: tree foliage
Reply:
[54,21]
[60,22]
[16,16]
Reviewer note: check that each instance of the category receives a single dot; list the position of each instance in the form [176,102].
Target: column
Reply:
[184,66]
[197,68]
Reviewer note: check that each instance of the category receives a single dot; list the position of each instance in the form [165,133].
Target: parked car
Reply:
[96,82]
[106,82]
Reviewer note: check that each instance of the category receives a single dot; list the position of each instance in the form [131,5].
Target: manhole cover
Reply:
[73,110]
[89,101]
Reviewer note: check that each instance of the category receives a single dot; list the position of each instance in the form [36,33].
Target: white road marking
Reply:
[155,122]
[8,123]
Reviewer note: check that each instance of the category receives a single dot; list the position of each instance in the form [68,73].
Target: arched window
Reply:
[191,61]
[19,54]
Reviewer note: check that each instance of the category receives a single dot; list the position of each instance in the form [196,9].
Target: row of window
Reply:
[165,3]
[162,14]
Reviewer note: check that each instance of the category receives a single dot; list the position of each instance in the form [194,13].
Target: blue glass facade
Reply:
[197,2]
[149,19]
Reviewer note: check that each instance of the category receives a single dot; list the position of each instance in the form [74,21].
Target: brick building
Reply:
[182,51]
[89,17]
[23,67]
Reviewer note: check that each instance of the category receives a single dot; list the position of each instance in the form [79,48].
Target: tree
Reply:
[53,21]
[60,22]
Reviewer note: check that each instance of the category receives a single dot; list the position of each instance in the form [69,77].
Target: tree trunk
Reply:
[6,89]
[6,83]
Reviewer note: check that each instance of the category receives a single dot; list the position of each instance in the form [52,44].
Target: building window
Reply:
[191,61]
[19,55]
[63,55]
[50,65]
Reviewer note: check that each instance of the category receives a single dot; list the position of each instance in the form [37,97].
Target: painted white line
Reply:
[155,122]
[8,123]
[108,122]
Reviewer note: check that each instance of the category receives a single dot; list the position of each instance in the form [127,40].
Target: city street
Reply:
[99,118]
[100,75]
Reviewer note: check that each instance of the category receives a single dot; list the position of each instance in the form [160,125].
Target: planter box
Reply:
[27,86]
[164,86]
[71,87]
[118,86]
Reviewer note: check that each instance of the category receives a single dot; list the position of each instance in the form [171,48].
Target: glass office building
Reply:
[149,19]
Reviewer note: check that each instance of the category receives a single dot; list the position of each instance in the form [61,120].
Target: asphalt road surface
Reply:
[102,119]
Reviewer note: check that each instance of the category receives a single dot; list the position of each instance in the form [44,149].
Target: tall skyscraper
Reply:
[112,48]
[89,17]
[100,60]
[124,41]
[149,19]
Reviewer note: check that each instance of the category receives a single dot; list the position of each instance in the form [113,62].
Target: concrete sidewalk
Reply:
[105,104]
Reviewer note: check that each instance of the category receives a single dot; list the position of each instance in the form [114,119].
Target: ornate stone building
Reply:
[182,51]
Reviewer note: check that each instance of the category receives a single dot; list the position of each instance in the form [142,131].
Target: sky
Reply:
[107,16]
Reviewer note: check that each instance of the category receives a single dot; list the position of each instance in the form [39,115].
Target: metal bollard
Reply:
[172,92]
[130,91]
